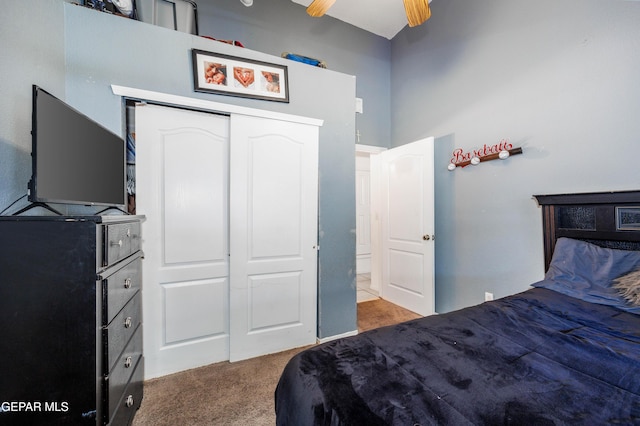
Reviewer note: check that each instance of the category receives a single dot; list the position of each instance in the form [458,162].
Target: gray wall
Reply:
[26,57]
[81,52]
[559,79]
[277,26]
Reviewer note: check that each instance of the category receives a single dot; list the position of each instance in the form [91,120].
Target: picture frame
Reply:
[628,218]
[234,76]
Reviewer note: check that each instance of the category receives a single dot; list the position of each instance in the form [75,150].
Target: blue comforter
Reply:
[535,358]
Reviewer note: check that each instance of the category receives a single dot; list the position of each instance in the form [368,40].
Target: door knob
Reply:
[428,237]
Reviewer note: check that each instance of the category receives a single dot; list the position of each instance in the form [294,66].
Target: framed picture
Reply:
[233,76]
[628,218]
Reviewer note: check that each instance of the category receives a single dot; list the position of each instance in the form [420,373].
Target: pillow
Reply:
[629,287]
[586,271]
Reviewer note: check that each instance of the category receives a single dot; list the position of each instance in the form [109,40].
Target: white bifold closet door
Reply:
[230,236]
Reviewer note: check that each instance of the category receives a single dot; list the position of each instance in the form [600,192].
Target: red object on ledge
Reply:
[233,42]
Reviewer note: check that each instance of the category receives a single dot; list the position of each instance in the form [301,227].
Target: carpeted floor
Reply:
[239,393]
[378,313]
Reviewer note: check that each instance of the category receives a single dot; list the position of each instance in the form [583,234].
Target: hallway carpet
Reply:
[379,312]
[240,393]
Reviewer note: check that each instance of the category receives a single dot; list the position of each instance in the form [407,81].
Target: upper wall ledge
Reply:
[201,104]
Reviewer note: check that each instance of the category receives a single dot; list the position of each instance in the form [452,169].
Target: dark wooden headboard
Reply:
[608,219]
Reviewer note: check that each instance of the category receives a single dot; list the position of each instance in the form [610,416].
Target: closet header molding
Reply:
[201,104]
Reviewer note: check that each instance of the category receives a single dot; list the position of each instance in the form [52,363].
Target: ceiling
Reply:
[382,17]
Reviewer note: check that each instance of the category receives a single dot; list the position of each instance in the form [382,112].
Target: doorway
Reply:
[401,223]
[367,236]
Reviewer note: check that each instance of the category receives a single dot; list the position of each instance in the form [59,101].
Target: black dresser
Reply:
[71,320]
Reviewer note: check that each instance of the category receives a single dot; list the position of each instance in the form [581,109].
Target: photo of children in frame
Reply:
[234,76]
[271,81]
[215,73]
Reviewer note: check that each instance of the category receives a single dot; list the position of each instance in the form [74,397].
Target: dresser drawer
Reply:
[120,240]
[118,378]
[118,333]
[119,287]
[131,398]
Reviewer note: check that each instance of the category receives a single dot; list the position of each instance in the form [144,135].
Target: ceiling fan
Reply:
[417,11]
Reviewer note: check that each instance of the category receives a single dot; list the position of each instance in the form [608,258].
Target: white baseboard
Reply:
[338,336]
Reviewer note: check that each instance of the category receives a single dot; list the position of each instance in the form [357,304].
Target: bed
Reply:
[566,351]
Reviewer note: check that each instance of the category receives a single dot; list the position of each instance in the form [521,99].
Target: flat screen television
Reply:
[74,159]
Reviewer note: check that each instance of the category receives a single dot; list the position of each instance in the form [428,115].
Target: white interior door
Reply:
[407,221]
[273,217]
[182,188]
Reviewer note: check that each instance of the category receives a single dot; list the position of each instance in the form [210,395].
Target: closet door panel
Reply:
[273,235]
[182,185]
[193,184]
[274,300]
[275,190]
[230,236]
[188,310]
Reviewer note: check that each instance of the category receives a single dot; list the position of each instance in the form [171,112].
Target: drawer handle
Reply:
[128,323]
[129,402]
[127,283]
[127,362]
[128,232]
[117,243]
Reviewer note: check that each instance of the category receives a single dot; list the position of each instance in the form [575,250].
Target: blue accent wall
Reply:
[559,79]
[83,52]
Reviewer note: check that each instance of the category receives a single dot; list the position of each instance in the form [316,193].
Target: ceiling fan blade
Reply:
[417,11]
[319,7]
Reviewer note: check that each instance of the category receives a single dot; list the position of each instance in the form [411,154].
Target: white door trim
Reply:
[369,149]
[201,104]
